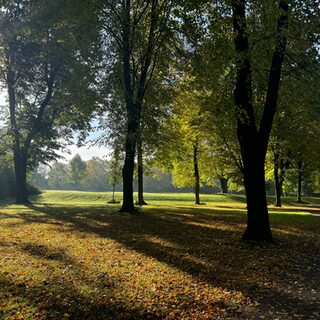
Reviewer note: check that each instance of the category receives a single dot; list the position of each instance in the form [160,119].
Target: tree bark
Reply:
[133,114]
[258,227]
[141,201]
[19,157]
[254,142]
[277,184]
[224,185]
[196,174]
[20,166]
[128,168]
[299,182]
[113,191]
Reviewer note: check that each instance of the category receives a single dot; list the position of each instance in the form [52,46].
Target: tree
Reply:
[76,171]
[114,171]
[96,178]
[154,115]
[57,176]
[39,59]
[138,35]
[254,140]
[184,147]
[39,177]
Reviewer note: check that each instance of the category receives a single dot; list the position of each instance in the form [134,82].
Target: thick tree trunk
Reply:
[196,174]
[132,116]
[20,166]
[19,157]
[141,201]
[224,185]
[299,183]
[127,176]
[254,141]
[277,184]
[258,226]
[253,156]
[130,147]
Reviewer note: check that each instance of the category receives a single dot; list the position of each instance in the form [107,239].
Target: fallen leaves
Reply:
[182,263]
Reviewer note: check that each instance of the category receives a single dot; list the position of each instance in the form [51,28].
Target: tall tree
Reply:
[76,171]
[57,176]
[185,146]
[154,115]
[254,140]
[137,29]
[114,171]
[96,178]
[39,60]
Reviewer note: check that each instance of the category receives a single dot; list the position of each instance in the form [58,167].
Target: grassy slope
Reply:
[70,255]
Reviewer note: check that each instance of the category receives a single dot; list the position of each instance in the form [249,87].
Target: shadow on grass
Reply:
[201,242]
[56,298]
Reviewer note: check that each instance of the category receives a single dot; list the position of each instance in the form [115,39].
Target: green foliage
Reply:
[76,171]
[96,175]
[7,180]
[57,176]
[115,165]
[41,51]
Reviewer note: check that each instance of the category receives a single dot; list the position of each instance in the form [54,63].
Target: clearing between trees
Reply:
[70,255]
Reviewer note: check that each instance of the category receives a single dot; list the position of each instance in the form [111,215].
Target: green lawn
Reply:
[70,255]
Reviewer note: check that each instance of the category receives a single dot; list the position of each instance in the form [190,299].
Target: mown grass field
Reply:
[70,255]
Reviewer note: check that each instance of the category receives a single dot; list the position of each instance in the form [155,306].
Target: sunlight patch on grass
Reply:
[286,211]
[216,226]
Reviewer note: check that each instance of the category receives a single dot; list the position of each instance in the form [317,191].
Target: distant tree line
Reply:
[98,174]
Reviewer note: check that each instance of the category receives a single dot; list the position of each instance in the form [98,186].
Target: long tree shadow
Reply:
[57,294]
[55,298]
[204,245]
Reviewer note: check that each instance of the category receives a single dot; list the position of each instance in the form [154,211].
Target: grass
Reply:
[70,255]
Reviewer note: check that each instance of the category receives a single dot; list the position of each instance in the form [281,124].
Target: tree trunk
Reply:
[113,191]
[19,157]
[284,165]
[224,185]
[196,174]
[253,141]
[20,149]
[299,183]
[281,178]
[20,166]
[128,168]
[253,156]
[141,201]
[258,226]
[277,184]
[135,87]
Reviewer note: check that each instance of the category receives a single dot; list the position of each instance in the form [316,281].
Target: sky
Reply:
[86,152]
